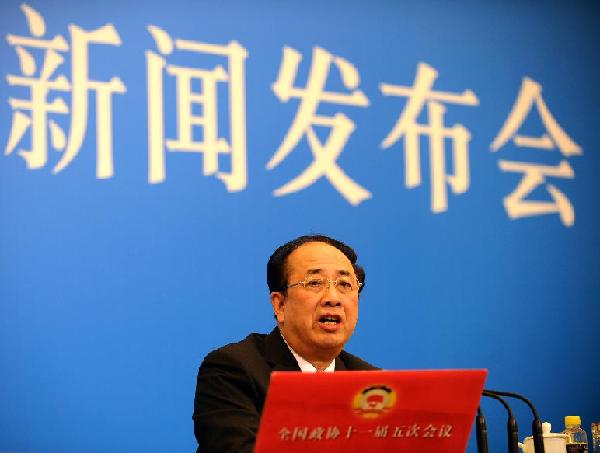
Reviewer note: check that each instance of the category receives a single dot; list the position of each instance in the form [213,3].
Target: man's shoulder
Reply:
[248,361]
[252,345]
[353,362]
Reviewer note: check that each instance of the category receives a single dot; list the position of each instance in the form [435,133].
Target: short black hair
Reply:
[277,265]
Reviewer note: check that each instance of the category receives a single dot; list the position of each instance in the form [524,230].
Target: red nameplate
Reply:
[366,411]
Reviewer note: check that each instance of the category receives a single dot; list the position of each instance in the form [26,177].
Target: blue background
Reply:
[112,291]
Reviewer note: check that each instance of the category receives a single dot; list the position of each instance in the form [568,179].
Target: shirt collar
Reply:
[305,365]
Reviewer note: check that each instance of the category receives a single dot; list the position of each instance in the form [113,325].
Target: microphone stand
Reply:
[513,431]
[536,425]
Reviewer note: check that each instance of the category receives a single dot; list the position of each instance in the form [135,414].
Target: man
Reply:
[314,283]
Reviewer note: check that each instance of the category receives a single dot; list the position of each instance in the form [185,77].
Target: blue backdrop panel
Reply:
[155,153]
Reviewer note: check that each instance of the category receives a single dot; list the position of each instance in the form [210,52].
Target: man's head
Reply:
[314,283]
[276,267]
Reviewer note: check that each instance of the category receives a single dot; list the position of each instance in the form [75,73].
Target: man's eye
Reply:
[314,283]
[346,284]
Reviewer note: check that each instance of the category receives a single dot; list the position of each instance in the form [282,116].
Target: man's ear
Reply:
[278,303]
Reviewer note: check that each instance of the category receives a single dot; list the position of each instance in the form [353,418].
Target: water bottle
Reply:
[577,442]
[596,437]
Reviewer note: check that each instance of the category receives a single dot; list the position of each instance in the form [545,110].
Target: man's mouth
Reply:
[330,320]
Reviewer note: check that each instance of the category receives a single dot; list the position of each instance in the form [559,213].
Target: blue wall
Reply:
[114,286]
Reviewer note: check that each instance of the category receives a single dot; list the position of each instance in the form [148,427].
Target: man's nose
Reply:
[331,295]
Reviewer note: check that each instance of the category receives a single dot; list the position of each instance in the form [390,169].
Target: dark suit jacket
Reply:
[232,386]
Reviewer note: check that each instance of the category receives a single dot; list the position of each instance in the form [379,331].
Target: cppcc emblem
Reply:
[374,401]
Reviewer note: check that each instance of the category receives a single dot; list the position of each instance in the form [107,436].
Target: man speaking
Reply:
[314,283]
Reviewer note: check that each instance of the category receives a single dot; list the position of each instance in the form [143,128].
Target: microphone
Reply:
[536,424]
[511,424]
[481,431]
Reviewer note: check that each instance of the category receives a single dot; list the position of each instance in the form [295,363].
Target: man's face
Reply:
[316,325]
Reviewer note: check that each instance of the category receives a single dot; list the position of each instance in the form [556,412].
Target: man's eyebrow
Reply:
[318,271]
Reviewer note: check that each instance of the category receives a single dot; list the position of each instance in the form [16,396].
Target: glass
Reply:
[316,284]
[596,437]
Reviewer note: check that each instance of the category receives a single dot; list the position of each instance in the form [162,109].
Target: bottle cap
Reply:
[571,420]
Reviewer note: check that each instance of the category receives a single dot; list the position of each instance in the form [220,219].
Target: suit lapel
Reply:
[277,353]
